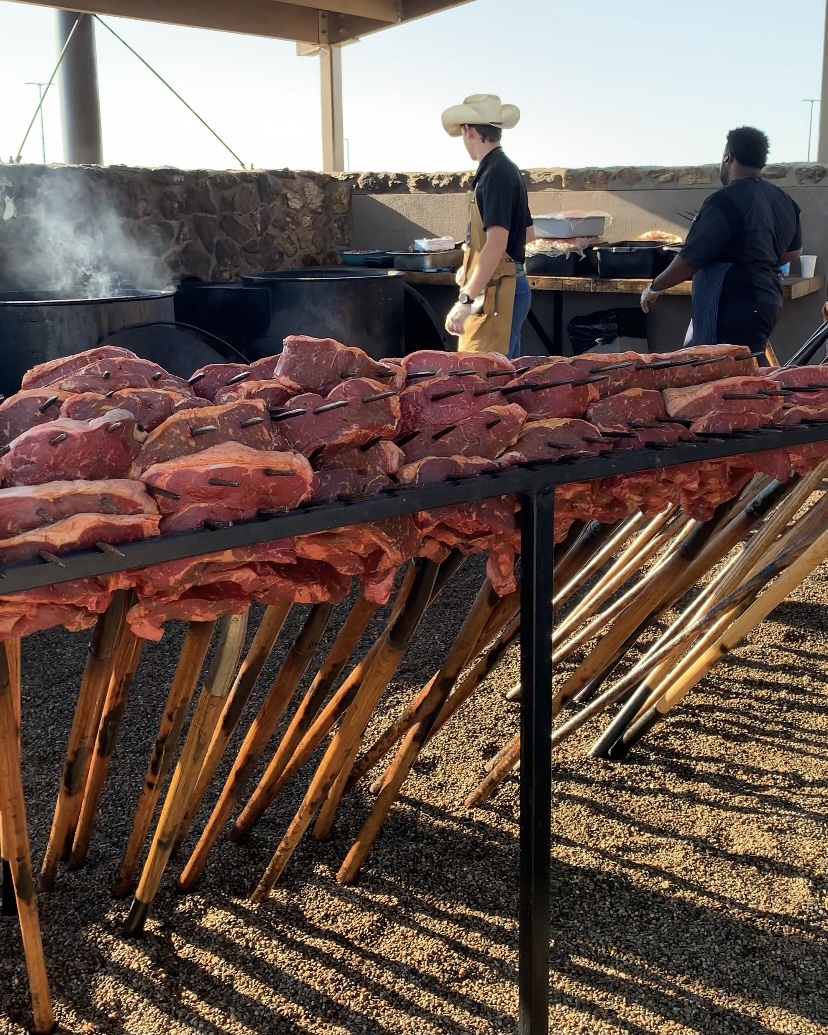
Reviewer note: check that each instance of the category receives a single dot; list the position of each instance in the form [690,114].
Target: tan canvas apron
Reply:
[487,331]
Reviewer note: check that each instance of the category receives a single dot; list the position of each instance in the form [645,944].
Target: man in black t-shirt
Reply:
[741,236]
[495,296]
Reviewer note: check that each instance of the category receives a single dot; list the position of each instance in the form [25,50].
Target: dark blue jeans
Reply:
[523,302]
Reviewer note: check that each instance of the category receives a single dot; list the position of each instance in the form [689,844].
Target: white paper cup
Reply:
[807,265]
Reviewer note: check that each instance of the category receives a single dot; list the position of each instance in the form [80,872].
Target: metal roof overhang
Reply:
[319,22]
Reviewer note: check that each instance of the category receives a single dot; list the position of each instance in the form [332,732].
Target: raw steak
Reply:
[551,390]
[320,364]
[74,605]
[228,482]
[27,409]
[442,400]
[112,376]
[366,412]
[481,363]
[149,406]
[620,370]
[173,577]
[46,373]
[485,434]
[207,381]
[79,532]
[808,386]
[634,404]
[194,430]
[694,366]
[352,471]
[31,506]
[68,450]
[201,604]
[275,392]
[553,438]
[730,395]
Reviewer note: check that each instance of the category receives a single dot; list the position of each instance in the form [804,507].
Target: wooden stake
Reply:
[261,648]
[232,632]
[185,680]
[124,669]
[415,738]
[16,838]
[85,724]
[346,741]
[260,732]
[281,771]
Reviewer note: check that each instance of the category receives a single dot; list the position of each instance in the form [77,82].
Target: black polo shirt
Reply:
[501,197]
[752,224]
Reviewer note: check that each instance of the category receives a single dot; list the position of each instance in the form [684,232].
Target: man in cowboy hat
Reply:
[495,295]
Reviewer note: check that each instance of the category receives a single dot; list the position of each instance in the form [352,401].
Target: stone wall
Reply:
[163,224]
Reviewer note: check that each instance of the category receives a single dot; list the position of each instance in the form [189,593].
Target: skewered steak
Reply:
[207,381]
[482,363]
[149,406]
[551,390]
[27,409]
[194,430]
[553,438]
[635,404]
[69,450]
[30,506]
[74,605]
[107,376]
[356,412]
[486,434]
[79,532]
[694,366]
[228,482]
[442,400]
[730,395]
[274,392]
[46,373]
[350,471]
[320,364]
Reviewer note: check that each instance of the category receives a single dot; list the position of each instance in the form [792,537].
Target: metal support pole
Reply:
[333,137]
[537,543]
[822,142]
[82,140]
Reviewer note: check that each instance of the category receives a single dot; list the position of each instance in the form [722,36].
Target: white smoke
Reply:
[71,241]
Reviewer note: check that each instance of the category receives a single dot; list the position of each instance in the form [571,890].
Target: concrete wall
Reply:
[389,213]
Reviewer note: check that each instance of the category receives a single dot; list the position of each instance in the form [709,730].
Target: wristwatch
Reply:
[465,299]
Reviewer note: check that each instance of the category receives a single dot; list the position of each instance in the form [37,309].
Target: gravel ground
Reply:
[690,884]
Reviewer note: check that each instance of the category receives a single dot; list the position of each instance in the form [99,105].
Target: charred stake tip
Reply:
[106,375]
[370,445]
[402,441]
[280,414]
[591,380]
[237,378]
[275,472]
[506,373]
[494,423]
[195,432]
[446,395]
[44,406]
[529,386]
[109,395]
[157,375]
[613,366]
[378,395]
[443,432]
[45,515]
[487,391]
[50,558]
[420,373]
[156,490]
[56,439]
[216,526]
[331,406]
[115,425]
[196,378]
[251,421]
[744,395]
[110,505]
[109,548]
[224,481]
[4,450]
[271,512]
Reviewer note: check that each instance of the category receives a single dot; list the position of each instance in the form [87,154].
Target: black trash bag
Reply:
[603,327]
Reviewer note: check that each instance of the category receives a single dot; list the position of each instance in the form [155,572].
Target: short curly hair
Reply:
[748,146]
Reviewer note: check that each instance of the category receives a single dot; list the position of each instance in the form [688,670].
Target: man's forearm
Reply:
[676,273]
[487,262]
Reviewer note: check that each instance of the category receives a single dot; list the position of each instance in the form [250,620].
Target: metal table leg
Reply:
[537,522]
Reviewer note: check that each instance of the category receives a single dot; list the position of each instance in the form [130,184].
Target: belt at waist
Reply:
[520,269]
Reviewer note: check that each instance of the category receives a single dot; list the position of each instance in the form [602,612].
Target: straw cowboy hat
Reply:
[481,109]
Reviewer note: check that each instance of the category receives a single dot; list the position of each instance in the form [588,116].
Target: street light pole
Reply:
[812,101]
[42,130]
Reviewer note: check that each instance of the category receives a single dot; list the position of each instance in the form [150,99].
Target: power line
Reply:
[42,129]
[170,88]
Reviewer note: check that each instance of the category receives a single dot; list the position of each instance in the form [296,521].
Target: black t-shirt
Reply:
[501,197]
[752,224]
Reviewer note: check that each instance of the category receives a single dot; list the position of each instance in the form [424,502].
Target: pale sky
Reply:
[604,82]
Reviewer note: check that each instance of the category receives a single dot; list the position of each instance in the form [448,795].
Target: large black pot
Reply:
[361,307]
[38,326]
